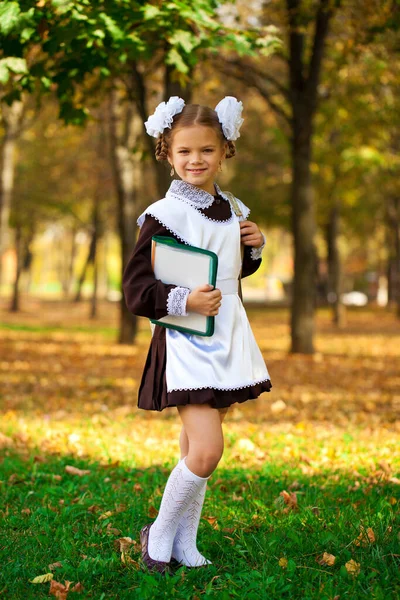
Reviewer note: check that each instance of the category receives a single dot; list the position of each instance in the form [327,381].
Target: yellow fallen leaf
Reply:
[392,500]
[105,515]
[352,567]
[326,559]
[75,471]
[283,562]
[127,560]
[42,578]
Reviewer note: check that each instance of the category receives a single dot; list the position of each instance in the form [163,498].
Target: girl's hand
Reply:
[251,234]
[204,300]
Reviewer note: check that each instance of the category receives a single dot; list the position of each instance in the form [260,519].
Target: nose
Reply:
[196,158]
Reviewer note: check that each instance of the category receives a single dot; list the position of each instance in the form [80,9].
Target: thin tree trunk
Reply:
[123,172]
[89,260]
[12,120]
[14,307]
[334,268]
[93,307]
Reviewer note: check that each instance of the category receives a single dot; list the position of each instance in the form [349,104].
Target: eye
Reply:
[209,150]
[182,152]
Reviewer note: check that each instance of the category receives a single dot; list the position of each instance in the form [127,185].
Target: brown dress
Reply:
[146,296]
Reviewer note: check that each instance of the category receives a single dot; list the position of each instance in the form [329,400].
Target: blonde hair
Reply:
[192,114]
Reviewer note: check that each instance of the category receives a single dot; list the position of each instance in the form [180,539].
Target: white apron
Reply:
[230,359]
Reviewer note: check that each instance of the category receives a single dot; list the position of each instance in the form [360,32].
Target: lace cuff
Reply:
[176,301]
[256,252]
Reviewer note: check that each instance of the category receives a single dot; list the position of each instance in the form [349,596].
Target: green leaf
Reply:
[185,39]
[175,59]
[150,12]
[112,27]
[11,63]
[10,16]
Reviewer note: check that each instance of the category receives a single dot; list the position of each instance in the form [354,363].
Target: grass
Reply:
[50,516]
[312,467]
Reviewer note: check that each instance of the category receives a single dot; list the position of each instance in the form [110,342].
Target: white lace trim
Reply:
[176,301]
[140,223]
[190,193]
[214,387]
[256,252]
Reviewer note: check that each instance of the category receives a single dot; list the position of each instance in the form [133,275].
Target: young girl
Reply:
[201,376]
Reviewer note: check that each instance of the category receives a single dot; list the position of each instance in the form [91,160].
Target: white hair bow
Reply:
[229,112]
[163,115]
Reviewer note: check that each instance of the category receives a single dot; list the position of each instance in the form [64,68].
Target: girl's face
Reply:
[195,154]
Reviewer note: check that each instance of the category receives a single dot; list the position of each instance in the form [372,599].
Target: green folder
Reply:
[186,266]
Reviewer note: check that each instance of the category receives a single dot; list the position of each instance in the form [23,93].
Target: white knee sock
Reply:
[184,548]
[181,488]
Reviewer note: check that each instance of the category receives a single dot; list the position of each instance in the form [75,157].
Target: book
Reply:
[186,266]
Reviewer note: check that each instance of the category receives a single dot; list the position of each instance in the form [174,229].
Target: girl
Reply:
[201,376]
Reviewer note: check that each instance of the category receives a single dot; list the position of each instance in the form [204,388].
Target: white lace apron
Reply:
[230,359]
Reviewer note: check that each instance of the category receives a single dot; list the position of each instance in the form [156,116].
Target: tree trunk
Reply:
[304,79]
[93,307]
[123,173]
[12,120]
[393,250]
[14,307]
[334,268]
[303,228]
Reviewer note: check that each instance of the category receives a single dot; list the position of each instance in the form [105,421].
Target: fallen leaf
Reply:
[123,544]
[283,562]
[59,590]
[352,567]
[26,511]
[153,512]
[110,530]
[55,565]
[326,559]
[290,499]
[75,471]
[105,515]
[42,578]
[127,560]
[365,537]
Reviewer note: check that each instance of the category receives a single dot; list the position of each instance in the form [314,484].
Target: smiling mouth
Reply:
[196,170]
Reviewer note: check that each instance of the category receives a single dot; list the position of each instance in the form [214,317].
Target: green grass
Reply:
[107,332]
[253,532]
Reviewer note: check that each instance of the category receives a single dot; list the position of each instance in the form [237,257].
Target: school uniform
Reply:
[183,368]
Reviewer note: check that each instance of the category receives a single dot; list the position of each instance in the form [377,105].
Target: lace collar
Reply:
[192,194]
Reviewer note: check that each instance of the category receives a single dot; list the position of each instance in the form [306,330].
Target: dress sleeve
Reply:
[145,295]
[251,259]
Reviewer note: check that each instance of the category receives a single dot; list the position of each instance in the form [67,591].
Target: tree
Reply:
[110,45]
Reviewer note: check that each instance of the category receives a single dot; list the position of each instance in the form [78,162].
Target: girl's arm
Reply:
[145,295]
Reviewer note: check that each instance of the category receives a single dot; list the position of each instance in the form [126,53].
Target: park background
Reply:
[305,501]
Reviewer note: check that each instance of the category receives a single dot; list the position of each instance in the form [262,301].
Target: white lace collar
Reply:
[192,194]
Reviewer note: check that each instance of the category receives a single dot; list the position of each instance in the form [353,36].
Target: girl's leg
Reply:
[203,427]
[184,440]
[185,543]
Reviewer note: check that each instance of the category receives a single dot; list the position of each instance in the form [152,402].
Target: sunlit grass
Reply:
[328,432]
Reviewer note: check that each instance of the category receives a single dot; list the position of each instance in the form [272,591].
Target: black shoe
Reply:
[151,564]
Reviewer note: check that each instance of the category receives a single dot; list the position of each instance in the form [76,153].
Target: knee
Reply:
[207,460]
